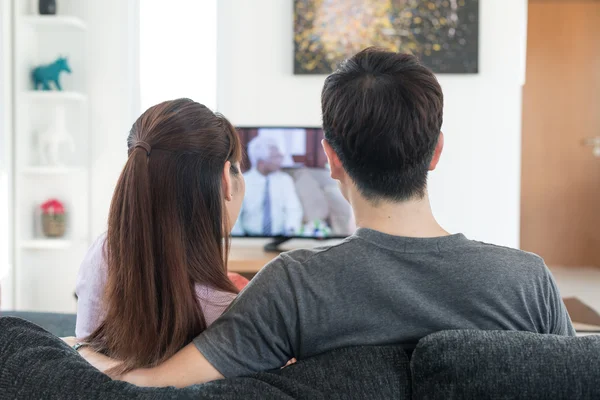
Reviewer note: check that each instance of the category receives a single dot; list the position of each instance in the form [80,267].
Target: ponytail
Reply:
[152,310]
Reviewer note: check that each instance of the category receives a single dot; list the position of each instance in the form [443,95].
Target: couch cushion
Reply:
[505,365]
[373,372]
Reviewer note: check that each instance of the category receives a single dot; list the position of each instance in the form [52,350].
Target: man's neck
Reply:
[412,218]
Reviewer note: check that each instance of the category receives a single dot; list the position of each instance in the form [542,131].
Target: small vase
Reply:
[47,7]
[54,225]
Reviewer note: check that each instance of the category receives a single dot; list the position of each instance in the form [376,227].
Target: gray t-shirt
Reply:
[378,289]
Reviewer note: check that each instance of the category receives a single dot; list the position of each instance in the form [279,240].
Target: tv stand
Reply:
[273,247]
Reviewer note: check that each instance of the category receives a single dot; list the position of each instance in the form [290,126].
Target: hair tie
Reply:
[144,146]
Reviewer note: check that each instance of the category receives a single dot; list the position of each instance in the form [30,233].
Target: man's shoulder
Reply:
[305,256]
[295,266]
[504,252]
[509,261]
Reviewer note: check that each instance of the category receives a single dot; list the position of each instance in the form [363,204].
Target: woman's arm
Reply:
[90,289]
[97,360]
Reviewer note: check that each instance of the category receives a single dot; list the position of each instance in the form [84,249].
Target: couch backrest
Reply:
[36,364]
[58,324]
[445,365]
[363,372]
[505,365]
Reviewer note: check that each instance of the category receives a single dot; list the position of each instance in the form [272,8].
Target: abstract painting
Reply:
[442,33]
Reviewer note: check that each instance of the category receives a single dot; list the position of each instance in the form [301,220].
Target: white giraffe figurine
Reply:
[51,139]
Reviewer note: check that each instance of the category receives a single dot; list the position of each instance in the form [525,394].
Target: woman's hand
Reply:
[71,340]
[97,360]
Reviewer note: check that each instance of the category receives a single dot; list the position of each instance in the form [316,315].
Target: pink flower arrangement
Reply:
[53,207]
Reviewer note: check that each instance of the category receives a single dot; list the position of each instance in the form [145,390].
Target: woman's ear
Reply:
[227,182]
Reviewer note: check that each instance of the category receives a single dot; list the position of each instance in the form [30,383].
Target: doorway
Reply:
[560,189]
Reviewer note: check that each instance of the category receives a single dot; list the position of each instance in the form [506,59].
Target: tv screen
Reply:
[289,191]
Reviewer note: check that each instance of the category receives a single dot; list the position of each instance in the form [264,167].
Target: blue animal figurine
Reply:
[45,74]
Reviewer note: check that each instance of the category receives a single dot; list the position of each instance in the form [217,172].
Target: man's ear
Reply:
[335,165]
[439,147]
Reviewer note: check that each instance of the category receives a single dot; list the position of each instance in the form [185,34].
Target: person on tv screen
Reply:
[271,206]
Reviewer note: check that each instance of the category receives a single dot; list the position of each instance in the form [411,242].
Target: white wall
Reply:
[179,59]
[477,187]
[113,96]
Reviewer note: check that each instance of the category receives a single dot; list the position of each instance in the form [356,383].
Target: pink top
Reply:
[90,287]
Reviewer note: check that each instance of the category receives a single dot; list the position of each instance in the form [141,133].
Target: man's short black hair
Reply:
[382,114]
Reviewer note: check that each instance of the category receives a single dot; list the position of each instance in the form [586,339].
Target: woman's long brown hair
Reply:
[166,231]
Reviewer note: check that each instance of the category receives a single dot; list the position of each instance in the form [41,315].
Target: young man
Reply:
[400,277]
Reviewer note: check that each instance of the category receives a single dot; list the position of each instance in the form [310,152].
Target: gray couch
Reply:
[60,325]
[445,365]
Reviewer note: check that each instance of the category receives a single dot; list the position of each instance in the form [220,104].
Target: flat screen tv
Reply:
[289,191]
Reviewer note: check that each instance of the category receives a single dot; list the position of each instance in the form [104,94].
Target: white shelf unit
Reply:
[6,159]
[45,269]
[54,96]
[45,244]
[54,22]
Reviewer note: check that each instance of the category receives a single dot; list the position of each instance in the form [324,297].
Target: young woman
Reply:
[158,277]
